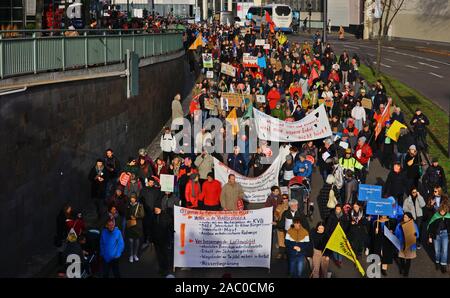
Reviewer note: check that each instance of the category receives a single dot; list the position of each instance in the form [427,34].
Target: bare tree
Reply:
[389,10]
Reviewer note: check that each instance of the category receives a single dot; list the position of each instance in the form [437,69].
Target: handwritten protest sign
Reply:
[222,238]
[167,182]
[210,74]
[234,99]
[261,98]
[366,103]
[257,189]
[249,61]
[228,69]
[314,126]
[260,42]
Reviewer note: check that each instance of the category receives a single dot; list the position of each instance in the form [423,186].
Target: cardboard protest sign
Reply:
[394,131]
[234,99]
[409,230]
[228,69]
[366,103]
[207,60]
[369,192]
[207,239]
[210,103]
[167,182]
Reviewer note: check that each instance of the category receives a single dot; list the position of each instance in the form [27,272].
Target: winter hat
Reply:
[434,159]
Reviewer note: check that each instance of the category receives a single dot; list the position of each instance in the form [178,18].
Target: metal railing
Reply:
[63,49]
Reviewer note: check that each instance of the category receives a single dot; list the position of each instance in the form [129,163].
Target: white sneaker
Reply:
[131,259]
[136,258]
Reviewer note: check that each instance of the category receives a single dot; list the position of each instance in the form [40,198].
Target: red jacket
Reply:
[349,130]
[193,199]
[211,193]
[366,153]
[273,97]
[194,106]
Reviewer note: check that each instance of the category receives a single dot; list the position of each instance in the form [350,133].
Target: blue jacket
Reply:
[237,163]
[399,234]
[111,244]
[303,165]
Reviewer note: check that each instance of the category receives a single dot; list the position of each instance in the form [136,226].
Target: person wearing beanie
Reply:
[211,190]
[419,122]
[287,171]
[412,167]
[303,167]
[363,153]
[186,170]
[434,177]
[193,192]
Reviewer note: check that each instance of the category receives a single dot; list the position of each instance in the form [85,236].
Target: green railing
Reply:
[32,54]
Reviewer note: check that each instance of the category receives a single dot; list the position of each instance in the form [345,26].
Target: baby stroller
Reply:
[300,189]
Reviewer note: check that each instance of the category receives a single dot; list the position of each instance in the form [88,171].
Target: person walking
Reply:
[414,204]
[419,122]
[358,229]
[297,245]
[111,248]
[211,191]
[407,253]
[98,177]
[177,112]
[335,218]
[193,192]
[168,145]
[134,215]
[321,257]
[438,233]
[381,245]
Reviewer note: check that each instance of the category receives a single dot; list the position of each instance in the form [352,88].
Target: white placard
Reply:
[209,239]
[343,144]
[266,46]
[210,74]
[260,42]
[261,98]
[313,126]
[257,189]
[325,156]
[167,182]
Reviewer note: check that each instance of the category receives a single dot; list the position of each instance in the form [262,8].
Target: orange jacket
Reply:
[193,199]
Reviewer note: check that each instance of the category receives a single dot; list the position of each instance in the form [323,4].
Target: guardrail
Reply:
[31,53]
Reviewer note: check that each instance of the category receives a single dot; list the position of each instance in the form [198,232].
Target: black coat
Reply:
[395,184]
[322,201]
[433,229]
[381,245]
[163,228]
[288,215]
[149,196]
[332,222]
[98,188]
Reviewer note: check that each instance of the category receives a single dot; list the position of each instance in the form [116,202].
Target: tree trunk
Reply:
[39,13]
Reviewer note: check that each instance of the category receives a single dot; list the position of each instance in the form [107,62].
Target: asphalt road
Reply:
[423,67]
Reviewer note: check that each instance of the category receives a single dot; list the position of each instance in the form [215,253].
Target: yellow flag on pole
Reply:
[198,42]
[339,243]
[232,119]
[394,131]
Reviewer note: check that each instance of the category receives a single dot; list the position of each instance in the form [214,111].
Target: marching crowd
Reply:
[295,78]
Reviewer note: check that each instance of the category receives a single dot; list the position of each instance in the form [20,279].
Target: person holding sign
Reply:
[297,245]
[381,245]
[407,232]
[232,193]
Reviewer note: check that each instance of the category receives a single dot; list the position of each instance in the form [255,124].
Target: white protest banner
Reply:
[257,189]
[228,69]
[210,74]
[207,60]
[222,238]
[249,61]
[260,42]
[167,182]
[314,126]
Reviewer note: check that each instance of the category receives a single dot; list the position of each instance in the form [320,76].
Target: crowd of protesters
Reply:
[296,79]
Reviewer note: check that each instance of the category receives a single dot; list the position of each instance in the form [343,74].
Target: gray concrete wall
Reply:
[51,136]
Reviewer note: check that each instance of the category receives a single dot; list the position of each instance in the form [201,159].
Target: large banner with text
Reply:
[314,126]
[222,238]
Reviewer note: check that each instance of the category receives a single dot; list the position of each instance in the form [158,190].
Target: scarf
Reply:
[356,217]
[437,216]
[298,235]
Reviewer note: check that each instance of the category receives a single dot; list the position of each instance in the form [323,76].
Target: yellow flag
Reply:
[198,42]
[232,119]
[394,131]
[282,39]
[339,243]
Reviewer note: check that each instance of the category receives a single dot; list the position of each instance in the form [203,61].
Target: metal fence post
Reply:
[63,54]
[134,41]
[105,52]
[121,46]
[86,60]
[2,71]
[34,53]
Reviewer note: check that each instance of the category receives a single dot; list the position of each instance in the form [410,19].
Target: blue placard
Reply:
[381,207]
[368,192]
[249,16]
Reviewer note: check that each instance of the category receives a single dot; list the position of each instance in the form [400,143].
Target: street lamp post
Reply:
[310,13]
[325,20]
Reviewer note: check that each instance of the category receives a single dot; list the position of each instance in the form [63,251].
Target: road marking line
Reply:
[371,55]
[392,60]
[392,48]
[428,64]
[436,75]
[382,64]
[418,57]
[410,66]
[352,47]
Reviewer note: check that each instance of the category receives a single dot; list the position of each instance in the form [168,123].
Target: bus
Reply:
[281,15]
